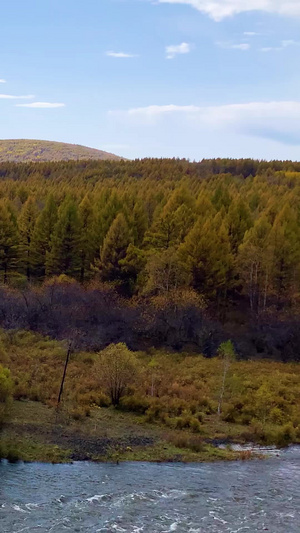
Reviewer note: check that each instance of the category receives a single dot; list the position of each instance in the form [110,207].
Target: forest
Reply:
[154,253]
[183,275]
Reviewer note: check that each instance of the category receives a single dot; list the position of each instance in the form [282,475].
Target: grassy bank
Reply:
[35,433]
[169,411]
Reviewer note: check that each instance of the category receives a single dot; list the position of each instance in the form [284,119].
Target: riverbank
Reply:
[36,433]
[169,411]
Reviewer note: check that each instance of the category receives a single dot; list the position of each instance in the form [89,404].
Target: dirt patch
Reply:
[83,447]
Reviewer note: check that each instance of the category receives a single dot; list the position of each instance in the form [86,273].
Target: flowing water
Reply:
[140,497]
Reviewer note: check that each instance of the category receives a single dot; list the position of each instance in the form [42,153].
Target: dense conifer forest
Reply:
[174,289]
[154,253]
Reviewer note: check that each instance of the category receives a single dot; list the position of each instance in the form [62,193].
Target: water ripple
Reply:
[239,497]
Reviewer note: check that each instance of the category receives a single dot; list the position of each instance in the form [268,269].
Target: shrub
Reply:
[135,403]
[101,399]
[116,368]
[195,425]
[189,442]
[184,422]
[80,412]
[285,435]
[277,416]
[5,392]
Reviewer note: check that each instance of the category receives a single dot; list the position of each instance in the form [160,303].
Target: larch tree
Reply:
[139,223]
[285,239]
[206,252]
[254,263]
[114,249]
[174,222]
[42,235]
[26,222]
[9,241]
[165,272]
[64,256]
[107,209]
[239,221]
[88,236]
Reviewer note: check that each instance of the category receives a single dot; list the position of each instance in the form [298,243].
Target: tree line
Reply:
[225,233]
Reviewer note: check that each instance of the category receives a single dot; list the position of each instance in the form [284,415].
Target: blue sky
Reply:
[164,78]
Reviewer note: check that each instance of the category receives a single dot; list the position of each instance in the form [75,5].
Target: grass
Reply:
[178,422]
[21,448]
[34,433]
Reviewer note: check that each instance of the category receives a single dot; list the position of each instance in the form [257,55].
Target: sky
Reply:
[154,78]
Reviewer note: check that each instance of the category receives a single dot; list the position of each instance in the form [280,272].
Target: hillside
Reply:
[22,150]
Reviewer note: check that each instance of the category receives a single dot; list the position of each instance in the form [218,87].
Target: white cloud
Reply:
[41,105]
[270,49]
[173,50]
[13,97]
[289,42]
[284,44]
[2,80]
[121,55]
[250,33]
[272,120]
[219,9]
[240,46]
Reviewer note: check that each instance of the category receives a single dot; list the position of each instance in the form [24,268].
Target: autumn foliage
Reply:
[157,252]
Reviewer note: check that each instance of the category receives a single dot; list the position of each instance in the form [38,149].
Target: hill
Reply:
[22,150]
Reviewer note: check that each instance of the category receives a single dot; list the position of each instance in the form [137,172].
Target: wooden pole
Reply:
[64,374]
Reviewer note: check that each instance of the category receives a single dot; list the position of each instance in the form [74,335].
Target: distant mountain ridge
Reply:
[25,150]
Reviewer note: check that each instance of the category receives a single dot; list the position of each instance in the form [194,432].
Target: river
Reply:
[236,497]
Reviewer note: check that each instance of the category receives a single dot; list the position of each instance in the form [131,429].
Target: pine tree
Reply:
[132,267]
[285,239]
[64,256]
[139,223]
[254,263]
[41,238]
[9,241]
[27,222]
[165,272]
[206,251]
[163,233]
[107,210]
[114,249]
[88,236]
[174,222]
[170,229]
[204,208]
[239,221]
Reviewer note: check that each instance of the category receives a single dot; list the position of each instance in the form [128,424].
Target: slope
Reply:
[22,150]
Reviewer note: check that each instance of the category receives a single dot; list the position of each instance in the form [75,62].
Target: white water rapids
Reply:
[234,497]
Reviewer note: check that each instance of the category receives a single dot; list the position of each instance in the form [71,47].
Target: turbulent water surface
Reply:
[139,497]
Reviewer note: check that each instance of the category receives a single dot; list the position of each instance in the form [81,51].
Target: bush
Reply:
[285,435]
[79,413]
[5,392]
[277,416]
[195,425]
[116,368]
[101,399]
[135,403]
[186,441]
[154,412]
[187,421]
